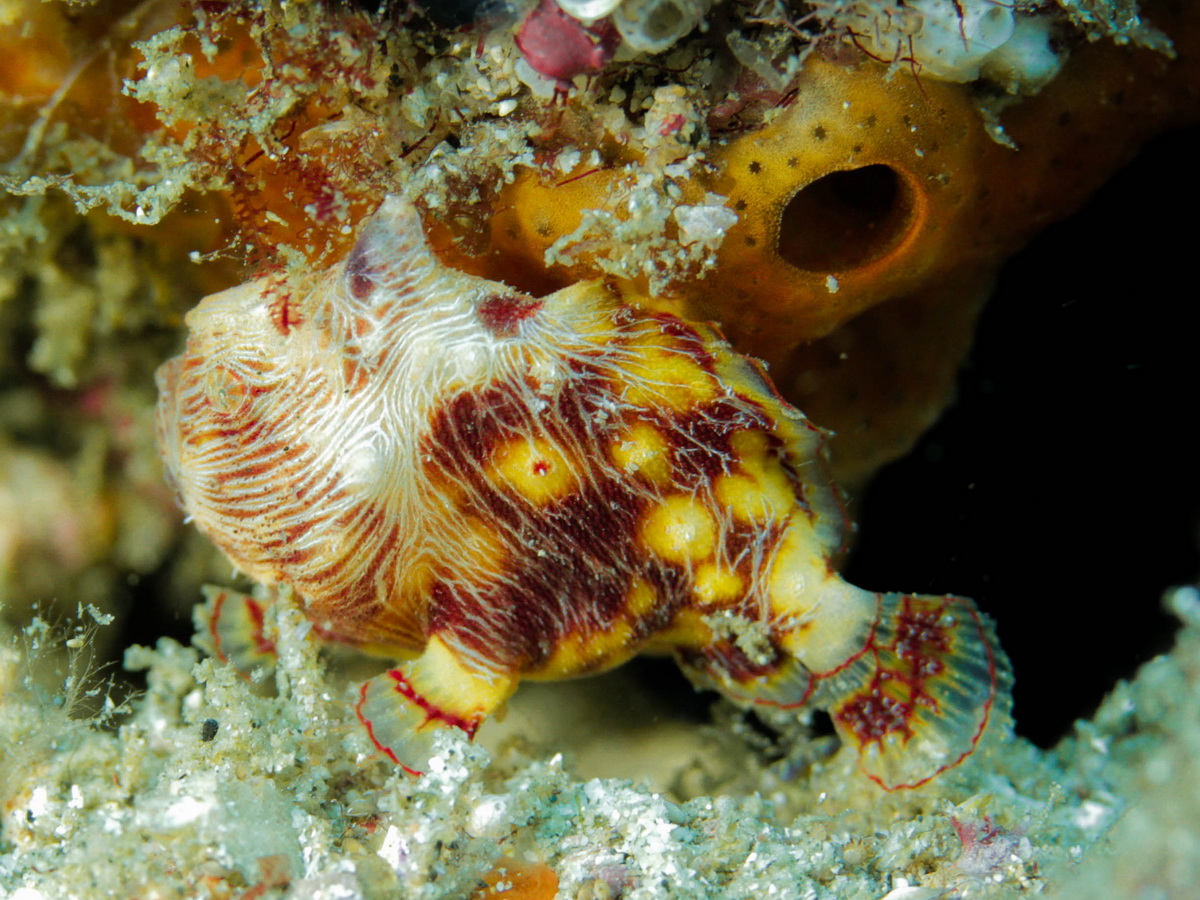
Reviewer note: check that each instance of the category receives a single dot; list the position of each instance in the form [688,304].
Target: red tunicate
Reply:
[561,47]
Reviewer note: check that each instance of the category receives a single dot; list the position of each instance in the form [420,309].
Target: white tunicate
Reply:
[1026,62]
[755,57]
[588,11]
[651,26]
[953,47]
[962,40]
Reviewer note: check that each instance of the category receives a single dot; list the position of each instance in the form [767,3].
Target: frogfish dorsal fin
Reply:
[391,254]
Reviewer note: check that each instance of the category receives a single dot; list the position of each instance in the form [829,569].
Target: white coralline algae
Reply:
[962,40]
[283,798]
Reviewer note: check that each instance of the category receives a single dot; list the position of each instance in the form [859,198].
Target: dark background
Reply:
[1062,489]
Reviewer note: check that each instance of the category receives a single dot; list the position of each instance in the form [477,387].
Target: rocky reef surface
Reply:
[209,785]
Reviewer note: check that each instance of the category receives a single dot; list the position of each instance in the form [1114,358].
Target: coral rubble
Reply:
[210,789]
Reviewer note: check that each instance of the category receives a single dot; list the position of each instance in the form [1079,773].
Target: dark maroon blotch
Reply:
[701,440]
[502,313]
[360,278]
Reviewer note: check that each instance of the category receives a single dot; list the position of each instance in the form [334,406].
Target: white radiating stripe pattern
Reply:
[302,450]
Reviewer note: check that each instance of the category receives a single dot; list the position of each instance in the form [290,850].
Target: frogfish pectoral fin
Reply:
[779,679]
[235,628]
[404,708]
[918,696]
[911,682]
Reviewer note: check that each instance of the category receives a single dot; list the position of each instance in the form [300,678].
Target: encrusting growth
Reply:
[496,487]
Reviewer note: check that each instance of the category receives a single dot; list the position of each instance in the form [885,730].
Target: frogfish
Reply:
[487,486]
